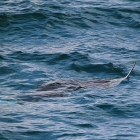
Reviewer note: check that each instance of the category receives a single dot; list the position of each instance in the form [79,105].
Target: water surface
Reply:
[42,41]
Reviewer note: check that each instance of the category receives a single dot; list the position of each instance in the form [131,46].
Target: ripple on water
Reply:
[43,41]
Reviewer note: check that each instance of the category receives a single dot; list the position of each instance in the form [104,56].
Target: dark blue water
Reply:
[42,41]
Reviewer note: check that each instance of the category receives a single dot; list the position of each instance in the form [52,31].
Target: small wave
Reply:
[4,21]
[1,57]
[61,17]
[57,57]
[85,125]
[90,68]
[6,70]
[134,24]
[73,61]
[115,110]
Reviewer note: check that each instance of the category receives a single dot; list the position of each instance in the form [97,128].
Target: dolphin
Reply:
[61,88]
[71,85]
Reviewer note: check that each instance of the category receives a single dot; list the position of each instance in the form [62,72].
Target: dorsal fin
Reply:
[130,71]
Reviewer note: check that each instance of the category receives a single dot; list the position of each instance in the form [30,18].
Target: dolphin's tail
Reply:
[130,71]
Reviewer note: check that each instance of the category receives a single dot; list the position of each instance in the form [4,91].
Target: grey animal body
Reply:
[56,88]
[60,88]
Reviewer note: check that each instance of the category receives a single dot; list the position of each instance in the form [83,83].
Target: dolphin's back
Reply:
[71,85]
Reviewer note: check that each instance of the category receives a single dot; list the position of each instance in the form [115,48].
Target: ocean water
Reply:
[42,41]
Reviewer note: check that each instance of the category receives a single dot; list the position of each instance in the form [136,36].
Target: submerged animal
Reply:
[71,85]
[60,88]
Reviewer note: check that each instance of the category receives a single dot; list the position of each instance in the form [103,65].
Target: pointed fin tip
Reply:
[130,70]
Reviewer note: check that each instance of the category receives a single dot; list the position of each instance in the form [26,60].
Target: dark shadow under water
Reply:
[61,88]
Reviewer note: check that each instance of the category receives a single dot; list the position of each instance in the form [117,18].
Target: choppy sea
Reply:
[46,40]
